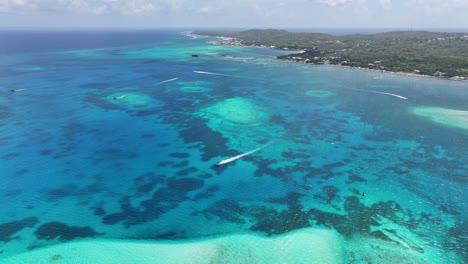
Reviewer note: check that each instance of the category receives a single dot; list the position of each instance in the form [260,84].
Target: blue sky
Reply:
[410,14]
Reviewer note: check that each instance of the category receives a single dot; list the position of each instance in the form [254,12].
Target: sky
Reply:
[407,14]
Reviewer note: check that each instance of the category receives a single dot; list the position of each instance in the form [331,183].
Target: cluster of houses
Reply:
[377,65]
[448,38]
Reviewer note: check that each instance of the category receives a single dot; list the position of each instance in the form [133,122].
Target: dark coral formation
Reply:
[63,191]
[69,190]
[112,219]
[264,169]
[167,194]
[329,194]
[205,175]
[458,239]
[357,217]
[146,183]
[5,112]
[99,211]
[63,232]
[45,152]
[274,222]
[352,178]
[13,192]
[56,257]
[170,235]
[10,156]
[227,210]
[187,172]
[148,136]
[208,193]
[268,220]
[181,164]
[212,143]
[21,172]
[7,230]
[179,155]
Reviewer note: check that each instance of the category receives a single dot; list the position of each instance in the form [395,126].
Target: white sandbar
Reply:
[238,110]
[303,246]
[444,116]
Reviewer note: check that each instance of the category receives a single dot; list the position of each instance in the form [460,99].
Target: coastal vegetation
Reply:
[417,52]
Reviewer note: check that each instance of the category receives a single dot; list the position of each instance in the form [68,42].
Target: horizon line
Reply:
[326,30]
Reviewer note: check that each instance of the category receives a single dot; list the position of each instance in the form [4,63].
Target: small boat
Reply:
[226,161]
[16,90]
[222,162]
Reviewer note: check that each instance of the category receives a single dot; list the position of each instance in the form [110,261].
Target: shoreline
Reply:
[231,41]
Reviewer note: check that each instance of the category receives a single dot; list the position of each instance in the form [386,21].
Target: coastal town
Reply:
[411,53]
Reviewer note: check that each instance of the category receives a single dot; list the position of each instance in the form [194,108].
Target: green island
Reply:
[412,52]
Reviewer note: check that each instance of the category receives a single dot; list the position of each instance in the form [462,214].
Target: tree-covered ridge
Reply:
[421,52]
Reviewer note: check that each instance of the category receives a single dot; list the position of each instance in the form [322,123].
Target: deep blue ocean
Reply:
[115,135]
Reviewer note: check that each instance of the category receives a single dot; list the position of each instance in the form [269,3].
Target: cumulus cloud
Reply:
[385,3]
[442,4]
[98,7]
[148,7]
[333,2]
[17,6]
[208,9]
[437,7]
[268,13]
[137,7]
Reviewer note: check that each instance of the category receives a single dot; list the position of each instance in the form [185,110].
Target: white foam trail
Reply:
[17,90]
[214,73]
[222,162]
[390,94]
[226,75]
[119,97]
[170,80]
[394,95]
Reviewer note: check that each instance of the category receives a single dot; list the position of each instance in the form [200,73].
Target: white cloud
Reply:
[240,13]
[208,9]
[362,11]
[100,10]
[439,7]
[72,5]
[333,2]
[17,6]
[386,3]
[97,7]
[138,7]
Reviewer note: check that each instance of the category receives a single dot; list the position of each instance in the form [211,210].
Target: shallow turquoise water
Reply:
[77,163]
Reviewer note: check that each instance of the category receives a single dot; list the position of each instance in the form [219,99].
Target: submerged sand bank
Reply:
[238,110]
[303,246]
[444,116]
[132,99]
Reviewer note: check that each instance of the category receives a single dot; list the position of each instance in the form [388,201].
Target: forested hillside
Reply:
[420,52]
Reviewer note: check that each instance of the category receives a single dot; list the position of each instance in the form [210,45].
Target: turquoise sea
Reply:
[114,136]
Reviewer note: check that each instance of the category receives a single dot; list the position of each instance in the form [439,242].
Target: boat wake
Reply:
[384,93]
[16,90]
[214,73]
[226,161]
[394,95]
[170,80]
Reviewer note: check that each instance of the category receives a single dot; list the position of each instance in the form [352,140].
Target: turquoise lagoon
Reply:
[108,155]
